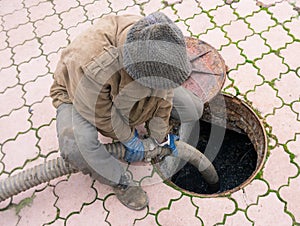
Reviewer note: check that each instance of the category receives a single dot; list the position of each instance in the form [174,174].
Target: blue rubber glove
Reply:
[135,150]
[170,143]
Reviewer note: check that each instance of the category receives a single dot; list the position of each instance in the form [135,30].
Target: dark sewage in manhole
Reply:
[234,163]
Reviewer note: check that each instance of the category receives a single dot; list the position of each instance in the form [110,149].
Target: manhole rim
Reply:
[246,182]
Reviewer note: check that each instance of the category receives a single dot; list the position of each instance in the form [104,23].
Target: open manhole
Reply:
[239,157]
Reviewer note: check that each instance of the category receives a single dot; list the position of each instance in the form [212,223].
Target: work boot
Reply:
[131,194]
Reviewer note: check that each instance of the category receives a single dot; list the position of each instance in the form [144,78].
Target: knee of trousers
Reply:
[69,151]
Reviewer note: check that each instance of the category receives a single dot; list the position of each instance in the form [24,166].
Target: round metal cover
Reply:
[209,69]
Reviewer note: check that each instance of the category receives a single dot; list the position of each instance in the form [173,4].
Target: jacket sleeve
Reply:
[159,124]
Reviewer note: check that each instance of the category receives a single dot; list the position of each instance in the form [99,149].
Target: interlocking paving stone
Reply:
[93,214]
[208,206]
[199,24]
[180,212]
[245,8]
[208,5]
[40,11]
[284,124]
[223,15]
[47,25]
[287,193]
[290,55]
[26,51]
[63,6]
[266,209]
[278,169]
[277,37]
[8,6]
[283,11]
[191,5]
[151,6]
[246,70]
[237,30]
[15,19]
[120,5]
[5,56]
[11,99]
[232,56]
[264,99]
[260,21]
[29,71]
[73,17]
[248,195]
[293,26]
[271,71]
[48,138]
[291,79]
[96,10]
[54,42]
[70,198]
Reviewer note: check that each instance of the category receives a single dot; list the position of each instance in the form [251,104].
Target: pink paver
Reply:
[265,211]
[293,201]
[102,190]
[151,6]
[215,37]
[264,98]
[271,71]
[29,3]
[40,11]
[20,34]
[96,10]
[223,15]
[93,214]
[180,212]
[237,30]
[9,217]
[120,5]
[260,21]
[47,25]
[66,5]
[8,78]
[18,151]
[29,71]
[8,6]
[208,5]
[290,55]
[232,56]
[293,26]
[42,113]
[199,24]
[283,11]
[41,210]
[16,18]
[239,218]
[296,109]
[120,215]
[244,8]
[73,17]
[70,198]
[212,211]
[284,124]
[5,56]
[285,84]
[192,5]
[54,42]
[135,10]
[159,193]
[11,99]
[249,51]
[48,139]
[277,37]
[140,170]
[183,27]
[278,169]
[248,195]
[16,122]
[26,51]
[248,71]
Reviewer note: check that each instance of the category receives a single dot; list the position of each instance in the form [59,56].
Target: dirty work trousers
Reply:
[80,147]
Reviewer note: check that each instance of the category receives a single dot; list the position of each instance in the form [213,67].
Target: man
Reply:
[118,74]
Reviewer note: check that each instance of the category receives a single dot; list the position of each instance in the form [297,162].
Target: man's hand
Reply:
[170,143]
[135,149]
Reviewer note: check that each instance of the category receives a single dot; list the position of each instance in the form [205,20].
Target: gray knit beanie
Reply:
[155,53]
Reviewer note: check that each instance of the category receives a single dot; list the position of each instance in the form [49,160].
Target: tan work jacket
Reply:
[90,76]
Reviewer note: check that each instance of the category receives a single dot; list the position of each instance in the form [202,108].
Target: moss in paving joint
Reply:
[23,203]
